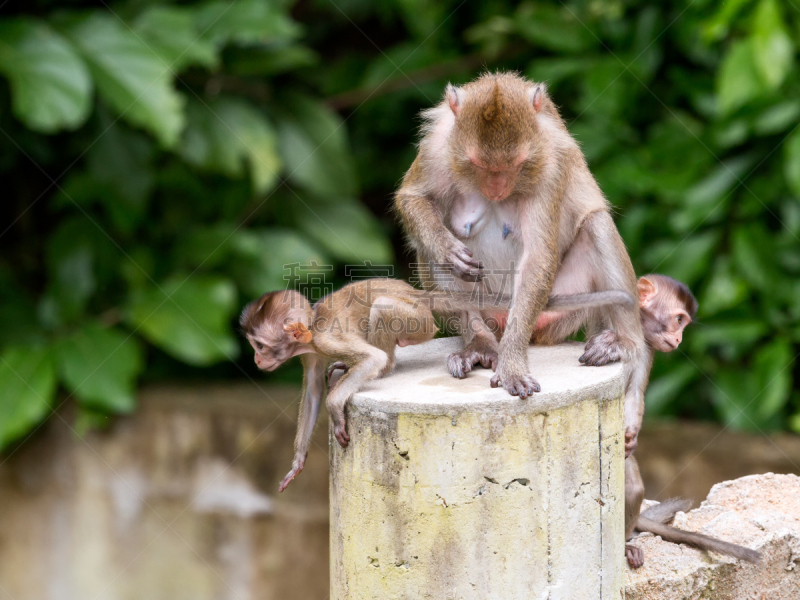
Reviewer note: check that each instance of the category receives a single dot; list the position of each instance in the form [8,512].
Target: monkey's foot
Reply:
[335,367]
[460,363]
[602,349]
[631,440]
[463,264]
[340,432]
[516,385]
[635,556]
[296,468]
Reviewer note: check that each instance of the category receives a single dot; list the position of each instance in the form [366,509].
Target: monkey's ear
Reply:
[455,98]
[299,332]
[537,95]
[647,291]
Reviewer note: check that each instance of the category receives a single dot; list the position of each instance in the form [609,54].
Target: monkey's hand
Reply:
[516,384]
[463,264]
[297,465]
[602,349]
[631,440]
[336,366]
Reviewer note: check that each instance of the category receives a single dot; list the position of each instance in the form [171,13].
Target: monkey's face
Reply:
[496,181]
[663,328]
[667,307]
[268,355]
[495,176]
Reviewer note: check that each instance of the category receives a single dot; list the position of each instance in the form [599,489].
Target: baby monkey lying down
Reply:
[357,328]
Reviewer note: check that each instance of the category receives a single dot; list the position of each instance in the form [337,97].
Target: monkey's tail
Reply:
[698,540]
[447,300]
[589,300]
[664,512]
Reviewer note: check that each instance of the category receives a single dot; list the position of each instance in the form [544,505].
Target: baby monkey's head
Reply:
[667,307]
[276,325]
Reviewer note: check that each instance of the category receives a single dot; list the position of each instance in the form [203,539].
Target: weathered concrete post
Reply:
[450,490]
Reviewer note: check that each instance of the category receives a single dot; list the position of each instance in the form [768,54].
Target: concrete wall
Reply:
[86,519]
[177,502]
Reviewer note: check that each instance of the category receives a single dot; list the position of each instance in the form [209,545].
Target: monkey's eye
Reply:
[260,346]
[680,319]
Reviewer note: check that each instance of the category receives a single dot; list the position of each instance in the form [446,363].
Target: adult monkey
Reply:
[499,186]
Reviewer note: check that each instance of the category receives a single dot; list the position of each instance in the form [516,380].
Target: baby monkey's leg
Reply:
[335,366]
[368,363]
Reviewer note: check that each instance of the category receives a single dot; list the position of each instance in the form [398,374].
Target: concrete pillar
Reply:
[451,490]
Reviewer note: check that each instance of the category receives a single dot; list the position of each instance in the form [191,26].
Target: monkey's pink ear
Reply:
[455,98]
[537,95]
[299,332]
[647,291]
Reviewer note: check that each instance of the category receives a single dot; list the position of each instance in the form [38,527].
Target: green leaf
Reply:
[684,259]
[120,164]
[733,337]
[99,366]
[314,147]
[347,230]
[227,134]
[269,61]
[129,75]
[50,85]
[725,289]
[553,27]
[773,372]
[171,33]
[706,201]
[773,50]
[661,391]
[735,397]
[738,80]
[245,22]
[27,385]
[71,269]
[777,118]
[754,255]
[553,70]
[718,26]
[791,162]
[264,258]
[189,318]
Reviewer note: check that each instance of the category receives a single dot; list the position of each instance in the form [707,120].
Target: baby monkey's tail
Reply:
[655,520]
[449,300]
[589,300]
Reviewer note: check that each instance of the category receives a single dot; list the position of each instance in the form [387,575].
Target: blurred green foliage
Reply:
[163,162]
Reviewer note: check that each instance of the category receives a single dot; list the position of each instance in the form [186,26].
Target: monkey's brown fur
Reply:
[667,307]
[358,326]
[356,329]
[656,520]
[499,185]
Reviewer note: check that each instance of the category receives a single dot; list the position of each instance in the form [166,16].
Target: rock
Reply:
[758,511]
